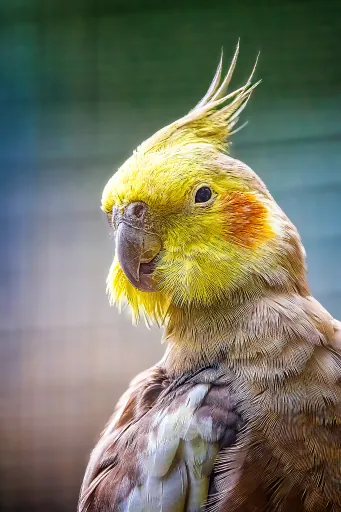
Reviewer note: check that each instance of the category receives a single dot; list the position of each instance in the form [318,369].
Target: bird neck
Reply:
[243,335]
[247,326]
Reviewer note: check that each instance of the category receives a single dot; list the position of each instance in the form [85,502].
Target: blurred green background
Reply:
[82,83]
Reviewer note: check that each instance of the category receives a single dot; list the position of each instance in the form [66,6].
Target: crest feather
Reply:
[212,119]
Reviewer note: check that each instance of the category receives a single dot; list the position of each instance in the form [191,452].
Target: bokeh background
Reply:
[82,83]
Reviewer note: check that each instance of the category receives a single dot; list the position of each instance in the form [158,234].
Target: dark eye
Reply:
[203,195]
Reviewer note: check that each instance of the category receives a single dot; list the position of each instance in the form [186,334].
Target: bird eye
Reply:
[203,195]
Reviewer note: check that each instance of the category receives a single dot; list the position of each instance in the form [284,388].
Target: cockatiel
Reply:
[243,412]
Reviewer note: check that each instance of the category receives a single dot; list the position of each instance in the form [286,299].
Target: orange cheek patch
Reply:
[245,220]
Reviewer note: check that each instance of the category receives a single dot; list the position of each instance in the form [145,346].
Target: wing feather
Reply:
[159,449]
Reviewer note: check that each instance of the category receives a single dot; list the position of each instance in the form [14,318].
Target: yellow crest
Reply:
[212,120]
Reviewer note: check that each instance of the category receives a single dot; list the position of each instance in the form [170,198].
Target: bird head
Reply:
[194,226]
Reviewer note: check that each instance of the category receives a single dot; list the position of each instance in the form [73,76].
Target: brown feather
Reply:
[285,455]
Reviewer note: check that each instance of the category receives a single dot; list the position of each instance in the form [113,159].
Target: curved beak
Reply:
[136,252]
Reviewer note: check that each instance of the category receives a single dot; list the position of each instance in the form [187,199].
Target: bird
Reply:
[243,411]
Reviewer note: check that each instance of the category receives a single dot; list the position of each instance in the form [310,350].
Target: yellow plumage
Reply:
[165,172]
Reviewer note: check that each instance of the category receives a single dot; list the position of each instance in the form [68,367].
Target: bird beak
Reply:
[136,246]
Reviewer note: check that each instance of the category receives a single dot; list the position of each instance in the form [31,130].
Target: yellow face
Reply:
[192,225]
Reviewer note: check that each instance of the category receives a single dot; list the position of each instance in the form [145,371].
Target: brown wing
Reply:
[158,451]
[132,406]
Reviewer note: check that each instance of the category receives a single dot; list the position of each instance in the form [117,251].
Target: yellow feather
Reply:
[199,263]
